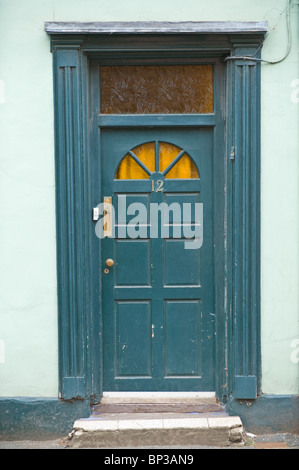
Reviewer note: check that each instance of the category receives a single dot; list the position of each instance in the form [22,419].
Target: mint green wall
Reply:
[28,306]
[280,208]
[28,318]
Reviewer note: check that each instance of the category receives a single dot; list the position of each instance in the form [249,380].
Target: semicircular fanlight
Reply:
[140,162]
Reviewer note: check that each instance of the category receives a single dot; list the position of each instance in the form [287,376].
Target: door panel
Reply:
[126,254]
[185,271]
[131,359]
[158,331]
[182,320]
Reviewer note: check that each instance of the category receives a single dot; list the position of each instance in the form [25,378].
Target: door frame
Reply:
[236,48]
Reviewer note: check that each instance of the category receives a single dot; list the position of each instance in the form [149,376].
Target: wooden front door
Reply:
[158,296]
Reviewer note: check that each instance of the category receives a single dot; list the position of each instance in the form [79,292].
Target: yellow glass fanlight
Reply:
[139,163]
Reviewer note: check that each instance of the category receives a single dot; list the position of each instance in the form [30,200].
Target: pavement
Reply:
[265,441]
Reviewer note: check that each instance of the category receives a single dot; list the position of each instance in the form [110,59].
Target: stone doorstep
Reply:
[221,430]
[139,422]
[125,419]
[157,402]
[158,398]
[103,409]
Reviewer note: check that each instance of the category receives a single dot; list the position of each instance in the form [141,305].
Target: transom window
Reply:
[156,89]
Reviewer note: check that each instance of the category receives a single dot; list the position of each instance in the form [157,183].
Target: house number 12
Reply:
[159,186]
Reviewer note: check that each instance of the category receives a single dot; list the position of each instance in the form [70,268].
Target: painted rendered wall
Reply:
[280,208]
[28,306]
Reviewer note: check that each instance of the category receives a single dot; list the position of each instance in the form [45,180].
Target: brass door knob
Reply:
[109,262]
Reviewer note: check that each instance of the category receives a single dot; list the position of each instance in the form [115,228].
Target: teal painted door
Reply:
[158,297]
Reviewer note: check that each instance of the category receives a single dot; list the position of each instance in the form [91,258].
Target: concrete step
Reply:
[123,429]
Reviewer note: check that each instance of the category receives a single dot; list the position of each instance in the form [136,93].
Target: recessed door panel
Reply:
[180,266]
[182,338]
[133,262]
[133,344]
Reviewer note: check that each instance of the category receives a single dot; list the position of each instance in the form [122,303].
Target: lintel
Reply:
[157,27]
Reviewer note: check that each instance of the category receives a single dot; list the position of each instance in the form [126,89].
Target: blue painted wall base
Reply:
[267,414]
[39,418]
[45,418]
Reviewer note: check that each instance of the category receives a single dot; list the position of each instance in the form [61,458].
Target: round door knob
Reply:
[109,262]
